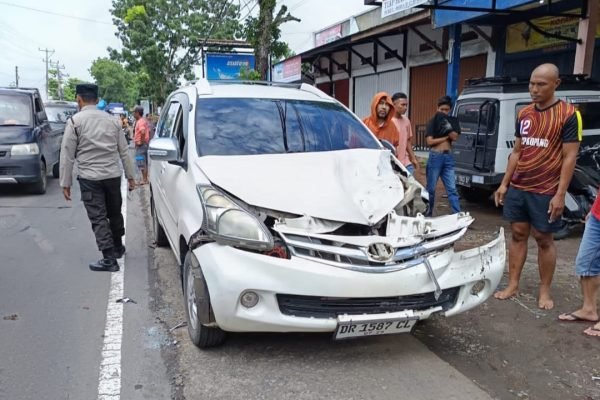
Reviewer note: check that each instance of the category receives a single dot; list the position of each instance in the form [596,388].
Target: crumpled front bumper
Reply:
[230,272]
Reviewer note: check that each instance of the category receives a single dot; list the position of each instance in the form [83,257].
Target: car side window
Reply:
[38,105]
[167,120]
[178,131]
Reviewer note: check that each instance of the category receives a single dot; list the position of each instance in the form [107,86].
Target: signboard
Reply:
[391,7]
[443,18]
[328,35]
[227,66]
[288,70]
[520,37]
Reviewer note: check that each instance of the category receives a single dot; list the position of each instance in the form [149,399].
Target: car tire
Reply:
[193,282]
[56,171]
[40,186]
[158,233]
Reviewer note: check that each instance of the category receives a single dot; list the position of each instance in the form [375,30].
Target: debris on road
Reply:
[126,300]
[179,325]
[12,317]
[596,378]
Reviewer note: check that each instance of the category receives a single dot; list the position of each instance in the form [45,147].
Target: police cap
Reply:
[87,90]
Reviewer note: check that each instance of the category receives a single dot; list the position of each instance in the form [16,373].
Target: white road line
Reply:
[109,385]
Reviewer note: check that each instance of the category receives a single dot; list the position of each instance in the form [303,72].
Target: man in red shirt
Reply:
[539,170]
[141,139]
[587,266]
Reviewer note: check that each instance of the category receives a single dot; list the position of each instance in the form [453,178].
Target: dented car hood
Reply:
[351,186]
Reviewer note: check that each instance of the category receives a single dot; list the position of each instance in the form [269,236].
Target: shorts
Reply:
[141,156]
[522,206]
[588,257]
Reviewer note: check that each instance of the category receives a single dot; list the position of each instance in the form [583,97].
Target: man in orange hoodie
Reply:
[380,121]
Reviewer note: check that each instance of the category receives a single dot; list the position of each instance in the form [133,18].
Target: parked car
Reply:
[59,112]
[29,146]
[487,111]
[288,215]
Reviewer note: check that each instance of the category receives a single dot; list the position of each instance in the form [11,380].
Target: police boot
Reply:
[119,252]
[108,263]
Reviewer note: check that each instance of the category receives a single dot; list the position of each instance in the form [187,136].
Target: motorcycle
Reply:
[582,191]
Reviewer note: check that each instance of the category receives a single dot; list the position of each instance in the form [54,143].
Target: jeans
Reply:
[588,257]
[441,165]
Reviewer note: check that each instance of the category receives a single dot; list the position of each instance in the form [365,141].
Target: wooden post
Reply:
[584,55]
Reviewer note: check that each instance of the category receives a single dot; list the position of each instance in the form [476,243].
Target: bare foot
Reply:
[507,293]
[545,302]
[593,330]
[578,316]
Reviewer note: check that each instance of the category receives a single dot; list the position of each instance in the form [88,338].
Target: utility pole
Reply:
[49,53]
[59,77]
[16,76]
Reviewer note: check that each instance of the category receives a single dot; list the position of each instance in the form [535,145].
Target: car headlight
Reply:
[228,223]
[27,149]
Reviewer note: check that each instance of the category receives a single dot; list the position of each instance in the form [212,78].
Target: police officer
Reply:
[94,138]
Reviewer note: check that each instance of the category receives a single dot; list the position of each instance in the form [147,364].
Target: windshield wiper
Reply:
[283,118]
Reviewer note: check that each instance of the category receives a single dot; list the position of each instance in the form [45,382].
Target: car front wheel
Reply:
[40,186]
[160,237]
[197,301]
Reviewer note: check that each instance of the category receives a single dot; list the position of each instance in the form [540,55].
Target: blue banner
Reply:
[227,66]
[443,18]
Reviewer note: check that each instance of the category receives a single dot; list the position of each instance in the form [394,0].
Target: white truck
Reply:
[487,110]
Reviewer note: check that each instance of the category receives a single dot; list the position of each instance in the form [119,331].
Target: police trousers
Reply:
[102,200]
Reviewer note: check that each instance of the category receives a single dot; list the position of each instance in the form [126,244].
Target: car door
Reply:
[49,141]
[171,174]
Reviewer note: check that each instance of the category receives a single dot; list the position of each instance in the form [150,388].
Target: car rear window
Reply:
[15,110]
[230,126]
[60,113]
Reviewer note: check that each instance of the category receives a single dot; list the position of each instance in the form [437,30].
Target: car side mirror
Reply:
[164,149]
[41,116]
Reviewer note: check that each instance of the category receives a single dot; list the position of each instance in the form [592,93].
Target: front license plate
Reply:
[463,180]
[350,329]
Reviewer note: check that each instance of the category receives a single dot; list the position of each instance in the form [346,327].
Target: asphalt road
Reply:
[53,317]
[53,309]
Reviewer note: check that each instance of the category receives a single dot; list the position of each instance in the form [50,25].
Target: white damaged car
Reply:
[287,215]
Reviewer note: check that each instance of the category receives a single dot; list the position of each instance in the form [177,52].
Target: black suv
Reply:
[29,145]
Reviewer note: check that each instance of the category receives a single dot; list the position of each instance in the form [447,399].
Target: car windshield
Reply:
[468,113]
[15,110]
[229,126]
[59,113]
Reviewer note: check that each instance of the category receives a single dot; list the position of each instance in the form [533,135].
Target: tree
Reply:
[115,84]
[68,86]
[163,38]
[263,32]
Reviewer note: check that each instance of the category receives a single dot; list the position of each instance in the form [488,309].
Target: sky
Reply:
[84,31]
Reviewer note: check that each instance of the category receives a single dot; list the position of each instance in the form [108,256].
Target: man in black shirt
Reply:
[442,131]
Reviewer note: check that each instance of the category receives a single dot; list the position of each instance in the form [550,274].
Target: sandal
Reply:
[571,317]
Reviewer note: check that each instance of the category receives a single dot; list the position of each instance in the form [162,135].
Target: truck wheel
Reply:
[55,170]
[196,301]
[474,195]
[39,187]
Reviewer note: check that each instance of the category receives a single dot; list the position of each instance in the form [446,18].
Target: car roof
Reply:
[11,90]
[260,90]
[51,103]
[503,84]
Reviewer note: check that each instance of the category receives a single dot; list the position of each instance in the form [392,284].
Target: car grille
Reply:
[331,307]
[348,256]
[8,171]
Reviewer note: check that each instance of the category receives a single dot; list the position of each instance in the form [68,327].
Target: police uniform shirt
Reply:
[95,139]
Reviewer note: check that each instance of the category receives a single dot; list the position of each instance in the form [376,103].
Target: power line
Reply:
[55,13]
